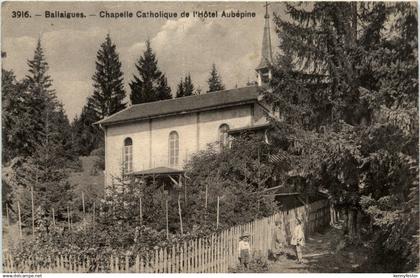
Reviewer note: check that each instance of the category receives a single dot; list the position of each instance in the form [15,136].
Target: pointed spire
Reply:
[266,51]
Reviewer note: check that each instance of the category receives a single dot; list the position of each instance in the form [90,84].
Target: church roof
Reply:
[183,105]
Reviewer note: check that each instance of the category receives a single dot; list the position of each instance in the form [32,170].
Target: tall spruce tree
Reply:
[42,101]
[48,123]
[215,81]
[150,84]
[45,168]
[108,94]
[185,87]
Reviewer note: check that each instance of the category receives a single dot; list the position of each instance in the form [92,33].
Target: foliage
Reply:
[185,87]
[257,264]
[150,84]
[44,168]
[116,228]
[86,136]
[215,81]
[17,135]
[236,175]
[347,86]
[108,98]
[100,159]
[108,94]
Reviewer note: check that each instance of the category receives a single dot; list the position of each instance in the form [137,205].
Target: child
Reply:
[244,250]
[298,239]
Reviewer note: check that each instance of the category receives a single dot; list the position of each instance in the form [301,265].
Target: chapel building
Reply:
[158,138]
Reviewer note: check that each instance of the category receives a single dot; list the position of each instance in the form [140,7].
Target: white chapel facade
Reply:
[160,137]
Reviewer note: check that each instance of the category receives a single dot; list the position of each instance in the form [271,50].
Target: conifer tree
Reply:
[185,87]
[180,89]
[150,84]
[86,136]
[215,81]
[45,168]
[49,124]
[18,136]
[42,100]
[347,83]
[188,86]
[108,95]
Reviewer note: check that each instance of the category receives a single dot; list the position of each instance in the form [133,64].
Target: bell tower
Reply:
[263,70]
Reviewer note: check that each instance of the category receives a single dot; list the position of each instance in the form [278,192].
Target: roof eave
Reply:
[105,123]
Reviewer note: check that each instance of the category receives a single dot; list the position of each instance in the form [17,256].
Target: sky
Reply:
[182,45]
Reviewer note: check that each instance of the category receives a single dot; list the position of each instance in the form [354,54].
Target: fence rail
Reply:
[213,254]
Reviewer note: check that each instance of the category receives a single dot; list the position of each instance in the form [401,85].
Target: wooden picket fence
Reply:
[213,254]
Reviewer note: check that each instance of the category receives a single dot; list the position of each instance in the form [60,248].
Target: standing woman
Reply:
[279,239]
[298,239]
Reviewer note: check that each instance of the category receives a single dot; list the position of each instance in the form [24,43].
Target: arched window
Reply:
[128,155]
[173,148]
[223,136]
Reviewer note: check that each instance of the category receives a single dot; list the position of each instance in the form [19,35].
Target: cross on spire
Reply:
[266,10]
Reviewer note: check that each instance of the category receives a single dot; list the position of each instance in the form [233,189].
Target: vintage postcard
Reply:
[210,137]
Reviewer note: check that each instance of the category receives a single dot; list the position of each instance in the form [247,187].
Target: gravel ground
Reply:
[324,253]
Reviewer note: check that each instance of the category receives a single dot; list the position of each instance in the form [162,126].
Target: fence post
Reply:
[33,211]
[167,219]
[217,253]
[127,263]
[165,260]
[205,260]
[181,259]
[156,262]
[187,247]
[194,263]
[20,221]
[173,261]
[206,197]
[68,217]
[83,204]
[212,253]
[140,267]
[200,258]
[217,219]
[180,215]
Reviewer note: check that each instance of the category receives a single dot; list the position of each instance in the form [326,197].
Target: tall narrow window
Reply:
[128,155]
[223,136]
[173,149]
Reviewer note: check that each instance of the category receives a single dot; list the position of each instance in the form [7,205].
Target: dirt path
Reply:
[323,253]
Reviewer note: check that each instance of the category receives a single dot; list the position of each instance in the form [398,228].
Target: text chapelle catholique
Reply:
[154,14]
